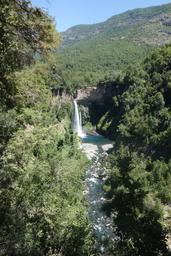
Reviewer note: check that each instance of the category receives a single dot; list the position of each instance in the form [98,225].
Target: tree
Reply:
[24,32]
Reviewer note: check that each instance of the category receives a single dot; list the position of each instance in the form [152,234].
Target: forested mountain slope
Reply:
[150,25]
[93,52]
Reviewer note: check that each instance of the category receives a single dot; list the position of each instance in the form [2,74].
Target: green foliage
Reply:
[24,32]
[45,197]
[86,63]
[42,208]
[138,185]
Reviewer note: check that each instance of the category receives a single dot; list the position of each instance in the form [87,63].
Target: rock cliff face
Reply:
[96,99]
[93,95]
[90,95]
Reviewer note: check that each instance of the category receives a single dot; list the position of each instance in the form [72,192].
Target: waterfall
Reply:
[80,120]
[77,122]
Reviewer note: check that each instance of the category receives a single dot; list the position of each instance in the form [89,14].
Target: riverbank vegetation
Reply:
[138,187]
[42,209]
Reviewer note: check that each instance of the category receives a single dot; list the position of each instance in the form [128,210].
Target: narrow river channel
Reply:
[95,147]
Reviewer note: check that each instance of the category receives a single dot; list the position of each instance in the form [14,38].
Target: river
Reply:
[95,147]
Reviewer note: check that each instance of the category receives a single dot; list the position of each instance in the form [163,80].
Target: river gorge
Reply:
[95,147]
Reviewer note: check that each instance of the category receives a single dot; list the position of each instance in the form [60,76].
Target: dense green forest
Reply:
[80,67]
[42,209]
[42,170]
[138,187]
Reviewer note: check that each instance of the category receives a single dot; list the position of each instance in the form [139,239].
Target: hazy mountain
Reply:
[90,53]
[149,25]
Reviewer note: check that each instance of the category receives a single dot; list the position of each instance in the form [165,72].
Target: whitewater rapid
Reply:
[95,177]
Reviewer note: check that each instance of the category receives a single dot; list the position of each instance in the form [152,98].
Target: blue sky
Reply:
[68,13]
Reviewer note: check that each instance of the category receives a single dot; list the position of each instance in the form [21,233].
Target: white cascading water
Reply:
[80,120]
[77,122]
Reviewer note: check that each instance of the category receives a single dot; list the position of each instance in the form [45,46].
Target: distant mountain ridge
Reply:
[93,53]
[158,18]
